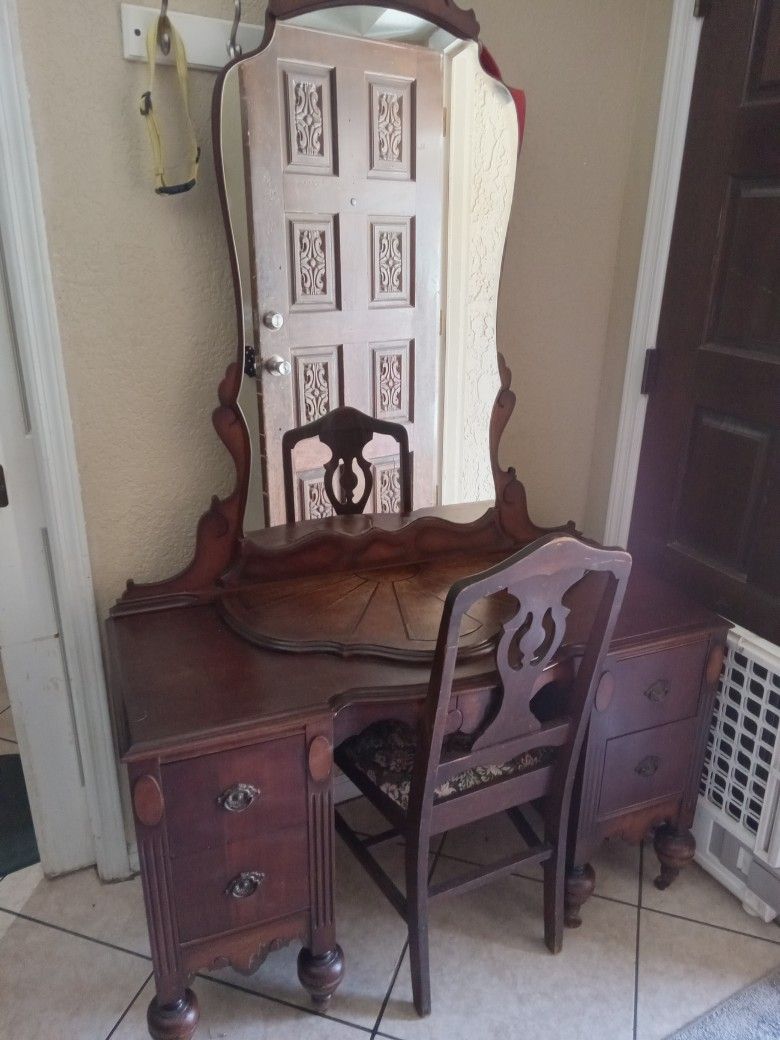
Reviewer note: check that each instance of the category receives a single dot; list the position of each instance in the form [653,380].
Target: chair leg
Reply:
[554,878]
[417,913]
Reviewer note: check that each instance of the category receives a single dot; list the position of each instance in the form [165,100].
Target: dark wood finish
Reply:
[444,13]
[579,887]
[175,1021]
[707,508]
[320,974]
[675,849]
[346,432]
[392,612]
[196,792]
[537,579]
[196,706]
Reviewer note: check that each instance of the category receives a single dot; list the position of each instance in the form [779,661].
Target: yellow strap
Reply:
[147,109]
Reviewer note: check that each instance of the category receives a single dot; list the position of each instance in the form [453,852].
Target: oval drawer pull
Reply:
[659,691]
[648,766]
[239,797]
[246,884]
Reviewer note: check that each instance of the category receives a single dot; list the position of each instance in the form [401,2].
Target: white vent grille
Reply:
[744,740]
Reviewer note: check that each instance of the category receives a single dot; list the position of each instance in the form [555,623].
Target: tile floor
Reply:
[74,958]
[8,744]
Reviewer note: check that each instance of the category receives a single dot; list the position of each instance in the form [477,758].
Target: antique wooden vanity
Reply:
[233,682]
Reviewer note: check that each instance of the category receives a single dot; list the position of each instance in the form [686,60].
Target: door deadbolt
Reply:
[277,366]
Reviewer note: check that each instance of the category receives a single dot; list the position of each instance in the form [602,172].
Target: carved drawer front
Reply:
[242,884]
[656,688]
[231,796]
[645,767]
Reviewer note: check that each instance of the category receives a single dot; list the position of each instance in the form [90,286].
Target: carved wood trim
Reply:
[219,536]
[444,13]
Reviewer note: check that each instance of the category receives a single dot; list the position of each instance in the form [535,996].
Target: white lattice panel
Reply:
[743,752]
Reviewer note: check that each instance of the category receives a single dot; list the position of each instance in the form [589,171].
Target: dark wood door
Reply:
[707,506]
[346,165]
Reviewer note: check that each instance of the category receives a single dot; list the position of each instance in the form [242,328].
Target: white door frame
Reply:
[681,58]
[35,320]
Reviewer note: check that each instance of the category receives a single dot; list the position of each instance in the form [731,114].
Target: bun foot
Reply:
[580,883]
[320,974]
[675,849]
[176,1021]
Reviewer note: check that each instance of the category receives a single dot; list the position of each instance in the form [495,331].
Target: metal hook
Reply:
[234,47]
[163,29]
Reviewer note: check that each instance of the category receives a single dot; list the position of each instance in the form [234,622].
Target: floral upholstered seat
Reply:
[385,752]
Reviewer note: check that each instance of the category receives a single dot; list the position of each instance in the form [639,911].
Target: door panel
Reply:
[30,644]
[347,248]
[707,506]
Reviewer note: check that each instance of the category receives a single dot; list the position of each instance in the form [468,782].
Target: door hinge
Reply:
[444,123]
[701,8]
[650,372]
[3,490]
[250,362]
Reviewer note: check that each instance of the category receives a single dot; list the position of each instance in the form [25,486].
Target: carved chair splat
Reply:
[347,432]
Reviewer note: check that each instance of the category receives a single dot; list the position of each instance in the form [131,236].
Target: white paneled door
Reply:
[30,645]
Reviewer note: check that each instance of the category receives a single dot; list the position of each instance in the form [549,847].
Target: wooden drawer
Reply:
[646,767]
[202,883]
[653,689]
[273,795]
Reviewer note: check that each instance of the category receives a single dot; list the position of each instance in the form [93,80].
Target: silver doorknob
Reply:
[273,320]
[277,366]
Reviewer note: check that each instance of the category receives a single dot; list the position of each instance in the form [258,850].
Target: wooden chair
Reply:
[428,782]
[347,431]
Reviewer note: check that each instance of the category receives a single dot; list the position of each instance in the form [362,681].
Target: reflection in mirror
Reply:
[369,166]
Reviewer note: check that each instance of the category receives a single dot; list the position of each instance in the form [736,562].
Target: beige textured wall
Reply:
[142,283]
[581,63]
[143,290]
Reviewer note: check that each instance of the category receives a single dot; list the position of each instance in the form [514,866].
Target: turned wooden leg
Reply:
[675,849]
[321,973]
[580,883]
[174,1021]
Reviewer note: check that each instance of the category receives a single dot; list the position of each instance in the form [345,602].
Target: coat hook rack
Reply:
[164,29]
[207,40]
[234,47]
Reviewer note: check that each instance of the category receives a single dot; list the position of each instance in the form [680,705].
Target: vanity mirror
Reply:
[369,166]
[366,156]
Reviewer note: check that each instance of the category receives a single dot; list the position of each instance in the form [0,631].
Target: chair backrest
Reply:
[538,578]
[347,431]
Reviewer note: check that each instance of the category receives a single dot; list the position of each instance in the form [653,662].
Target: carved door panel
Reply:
[707,506]
[346,167]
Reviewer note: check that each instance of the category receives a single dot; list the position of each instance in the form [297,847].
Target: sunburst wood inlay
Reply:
[390,612]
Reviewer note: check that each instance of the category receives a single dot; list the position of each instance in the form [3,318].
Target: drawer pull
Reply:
[239,797]
[245,885]
[659,691]
[648,766]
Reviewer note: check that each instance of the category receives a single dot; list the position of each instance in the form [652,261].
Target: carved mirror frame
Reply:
[223,557]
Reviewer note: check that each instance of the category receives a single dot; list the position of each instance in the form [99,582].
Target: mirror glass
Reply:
[369,165]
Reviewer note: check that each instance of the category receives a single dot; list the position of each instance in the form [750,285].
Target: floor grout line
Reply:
[437,855]
[708,924]
[122,1017]
[77,935]
[285,1003]
[638,931]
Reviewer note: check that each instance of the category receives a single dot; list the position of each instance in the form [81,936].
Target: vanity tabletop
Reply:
[183,676]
